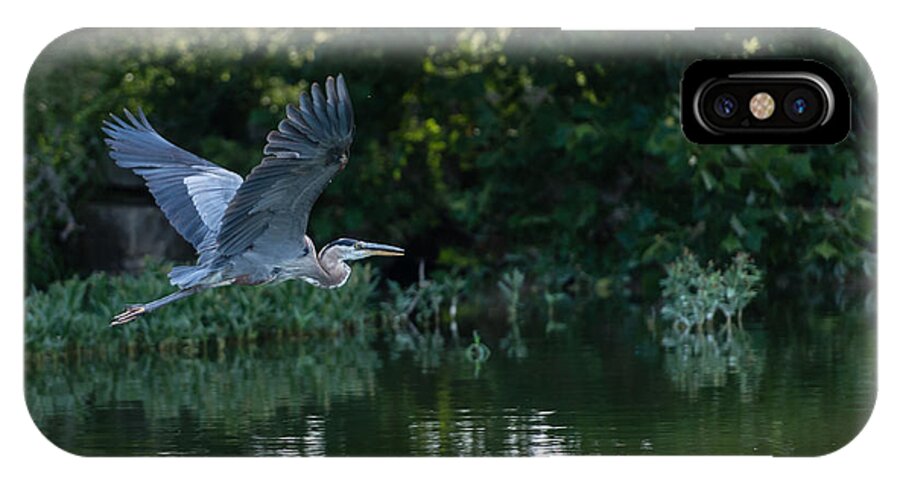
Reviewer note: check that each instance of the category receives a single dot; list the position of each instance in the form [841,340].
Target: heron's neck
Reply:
[334,270]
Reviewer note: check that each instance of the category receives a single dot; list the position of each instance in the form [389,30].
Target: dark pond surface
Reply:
[803,383]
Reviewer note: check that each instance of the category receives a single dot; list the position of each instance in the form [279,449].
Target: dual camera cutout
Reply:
[750,101]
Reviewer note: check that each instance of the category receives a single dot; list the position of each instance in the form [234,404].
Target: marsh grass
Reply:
[72,317]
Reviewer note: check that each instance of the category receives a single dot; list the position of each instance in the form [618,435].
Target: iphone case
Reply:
[577,279]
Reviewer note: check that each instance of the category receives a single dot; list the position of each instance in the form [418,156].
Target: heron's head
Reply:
[348,249]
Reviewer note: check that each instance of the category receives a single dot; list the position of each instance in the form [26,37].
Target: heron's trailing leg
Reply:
[135,311]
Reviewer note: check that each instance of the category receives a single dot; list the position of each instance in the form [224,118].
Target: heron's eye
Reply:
[358,245]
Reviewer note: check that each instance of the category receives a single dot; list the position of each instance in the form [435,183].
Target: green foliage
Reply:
[740,283]
[490,146]
[510,285]
[693,295]
[72,316]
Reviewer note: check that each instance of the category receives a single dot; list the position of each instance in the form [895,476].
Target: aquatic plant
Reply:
[428,315]
[397,309]
[740,283]
[692,295]
[455,286]
[418,313]
[511,284]
[678,291]
[477,352]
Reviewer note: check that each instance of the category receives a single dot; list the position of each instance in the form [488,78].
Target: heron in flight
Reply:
[253,231]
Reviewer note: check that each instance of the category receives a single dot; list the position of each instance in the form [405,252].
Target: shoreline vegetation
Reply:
[70,318]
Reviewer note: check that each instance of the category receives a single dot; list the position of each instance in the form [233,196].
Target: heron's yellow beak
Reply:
[378,249]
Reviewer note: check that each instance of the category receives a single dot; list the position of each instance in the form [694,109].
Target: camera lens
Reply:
[725,105]
[801,105]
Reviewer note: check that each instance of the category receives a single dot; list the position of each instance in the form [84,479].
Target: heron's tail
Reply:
[188,276]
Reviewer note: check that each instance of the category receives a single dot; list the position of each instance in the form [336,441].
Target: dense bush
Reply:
[474,148]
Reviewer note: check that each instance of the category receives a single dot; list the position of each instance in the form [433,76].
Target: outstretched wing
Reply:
[271,209]
[192,192]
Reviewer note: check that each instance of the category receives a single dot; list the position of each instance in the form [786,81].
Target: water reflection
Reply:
[311,443]
[799,387]
[522,433]
[701,362]
[244,392]
[533,434]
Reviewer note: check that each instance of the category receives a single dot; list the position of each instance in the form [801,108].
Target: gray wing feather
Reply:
[271,209]
[192,192]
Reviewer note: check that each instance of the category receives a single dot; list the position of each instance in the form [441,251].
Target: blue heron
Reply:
[253,231]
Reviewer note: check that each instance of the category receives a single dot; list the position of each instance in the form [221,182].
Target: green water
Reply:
[803,384]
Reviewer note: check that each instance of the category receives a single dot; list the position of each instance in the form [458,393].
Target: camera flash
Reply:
[762,105]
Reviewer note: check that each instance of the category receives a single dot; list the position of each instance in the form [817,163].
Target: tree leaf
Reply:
[825,250]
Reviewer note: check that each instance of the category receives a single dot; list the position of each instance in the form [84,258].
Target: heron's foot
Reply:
[132,313]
